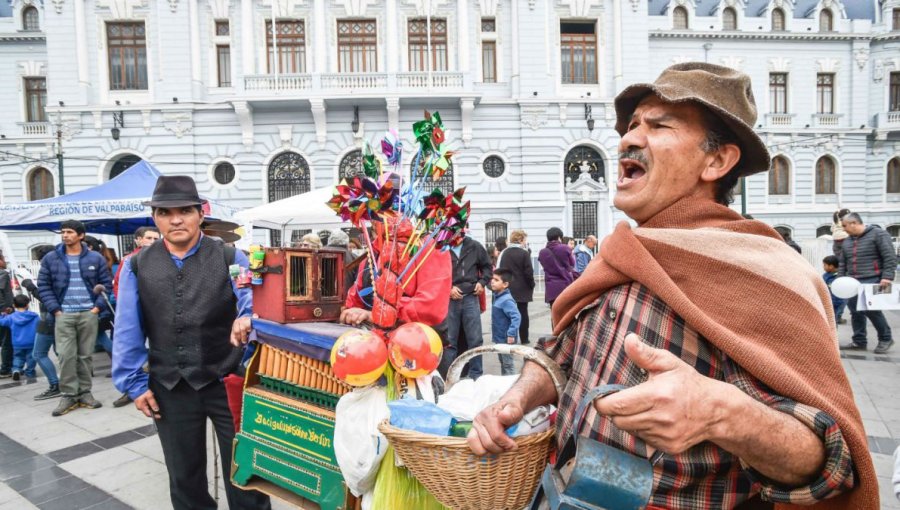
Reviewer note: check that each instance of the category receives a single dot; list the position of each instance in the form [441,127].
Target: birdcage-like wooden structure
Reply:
[301,285]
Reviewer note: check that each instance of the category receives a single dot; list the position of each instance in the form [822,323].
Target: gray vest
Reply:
[187,314]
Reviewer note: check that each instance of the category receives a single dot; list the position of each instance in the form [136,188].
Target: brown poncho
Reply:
[736,283]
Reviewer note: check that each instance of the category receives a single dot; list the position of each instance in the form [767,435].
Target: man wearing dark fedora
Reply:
[722,336]
[179,296]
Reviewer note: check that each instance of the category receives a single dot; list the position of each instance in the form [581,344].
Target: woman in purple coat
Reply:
[559,264]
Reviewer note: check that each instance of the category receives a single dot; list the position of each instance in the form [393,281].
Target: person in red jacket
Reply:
[426,296]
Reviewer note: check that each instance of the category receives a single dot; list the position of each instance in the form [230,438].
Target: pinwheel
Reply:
[371,164]
[392,147]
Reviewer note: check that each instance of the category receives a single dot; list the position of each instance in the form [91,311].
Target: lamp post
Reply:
[588,116]
[118,121]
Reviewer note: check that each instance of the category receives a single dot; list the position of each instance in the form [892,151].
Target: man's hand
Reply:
[240,330]
[488,432]
[57,313]
[95,310]
[355,316]
[885,284]
[146,404]
[510,339]
[673,410]
[479,289]
[455,293]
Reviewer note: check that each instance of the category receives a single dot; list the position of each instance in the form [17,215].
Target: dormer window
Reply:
[778,20]
[729,19]
[30,19]
[826,21]
[680,18]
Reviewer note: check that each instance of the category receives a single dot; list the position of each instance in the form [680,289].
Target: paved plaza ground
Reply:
[110,458]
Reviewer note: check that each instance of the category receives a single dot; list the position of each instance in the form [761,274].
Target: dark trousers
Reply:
[523,326]
[858,321]
[463,315]
[182,432]
[6,351]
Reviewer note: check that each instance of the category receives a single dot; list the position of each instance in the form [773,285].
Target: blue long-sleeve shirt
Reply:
[505,318]
[129,347]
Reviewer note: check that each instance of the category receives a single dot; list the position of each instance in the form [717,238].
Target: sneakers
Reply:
[124,400]
[66,404]
[842,321]
[883,347]
[16,375]
[5,375]
[51,392]
[853,347]
[88,400]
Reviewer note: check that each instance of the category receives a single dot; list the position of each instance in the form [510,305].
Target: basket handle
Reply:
[529,353]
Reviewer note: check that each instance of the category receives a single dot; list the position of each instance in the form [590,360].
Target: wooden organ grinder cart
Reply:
[284,445]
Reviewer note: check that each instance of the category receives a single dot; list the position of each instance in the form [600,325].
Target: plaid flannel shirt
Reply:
[591,351]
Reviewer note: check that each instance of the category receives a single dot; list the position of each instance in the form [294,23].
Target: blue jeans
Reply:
[463,314]
[858,321]
[839,309]
[22,359]
[104,342]
[507,367]
[42,344]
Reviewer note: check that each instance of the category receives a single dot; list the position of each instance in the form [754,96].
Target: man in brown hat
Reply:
[179,296]
[727,407]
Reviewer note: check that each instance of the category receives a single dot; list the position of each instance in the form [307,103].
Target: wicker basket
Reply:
[462,480]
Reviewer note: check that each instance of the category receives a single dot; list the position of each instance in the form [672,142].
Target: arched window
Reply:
[123,163]
[893,231]
[826,21]
[780,176]
[40,184]
[583,159]
[824,230]
[825,176]
[493,230]
[445,183]
[31,20]
[351,165]
[288,176]
[729,19]
[778,20]
[680,18]
[893,175]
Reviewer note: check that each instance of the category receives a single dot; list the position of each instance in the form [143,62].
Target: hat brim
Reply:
[224,235]
[754,154]
[172,203]
[219,225]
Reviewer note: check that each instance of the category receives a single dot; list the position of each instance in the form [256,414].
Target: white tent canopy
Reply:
[305,211]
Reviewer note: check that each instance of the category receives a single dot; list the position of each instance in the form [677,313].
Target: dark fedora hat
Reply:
[175,191]
[723,91]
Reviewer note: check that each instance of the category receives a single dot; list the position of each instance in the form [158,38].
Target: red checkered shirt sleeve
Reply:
[560,348]
[837,474]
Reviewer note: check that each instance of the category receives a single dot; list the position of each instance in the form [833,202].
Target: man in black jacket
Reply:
[517,258]
[6,306]
[471,274]
[867,255]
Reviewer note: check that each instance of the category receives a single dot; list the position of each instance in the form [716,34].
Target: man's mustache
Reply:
[636,155]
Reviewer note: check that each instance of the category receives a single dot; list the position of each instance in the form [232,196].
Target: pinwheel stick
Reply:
[419,265]
[371,250]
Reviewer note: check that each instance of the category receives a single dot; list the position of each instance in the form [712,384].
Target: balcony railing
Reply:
[270,82]
[826,120]
[438,80]
[35,128]
[354,81]
[780,119]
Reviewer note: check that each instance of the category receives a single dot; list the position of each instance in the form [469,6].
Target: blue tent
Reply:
[113,207]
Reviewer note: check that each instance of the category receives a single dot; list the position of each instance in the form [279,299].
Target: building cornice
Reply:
[757,36]
[893,36]
[23,37]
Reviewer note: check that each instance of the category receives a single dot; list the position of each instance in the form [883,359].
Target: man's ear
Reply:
[721,162]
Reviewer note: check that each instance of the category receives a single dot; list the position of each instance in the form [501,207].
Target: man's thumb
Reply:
[649,358]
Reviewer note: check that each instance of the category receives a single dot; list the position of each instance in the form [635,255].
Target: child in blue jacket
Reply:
[830,265]
[23,324]
[505,316]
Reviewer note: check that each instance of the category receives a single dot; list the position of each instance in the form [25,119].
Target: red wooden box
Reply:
[301,285]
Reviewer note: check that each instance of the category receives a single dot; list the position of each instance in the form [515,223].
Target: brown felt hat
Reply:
[726,93]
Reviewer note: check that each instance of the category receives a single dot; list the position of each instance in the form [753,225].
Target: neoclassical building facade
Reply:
[525,87]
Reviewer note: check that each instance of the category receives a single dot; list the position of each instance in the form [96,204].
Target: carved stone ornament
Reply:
[488,7]
[173,6]
[421,6]
[635,5]
[57,6]
[70,125]
[284,8]
[285,133]
[178,123]
[121,9]
[779,65]
[735,63]
[220,8]
[579,8]
[827,65]
[862,57]
[534,116]
[32,68]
